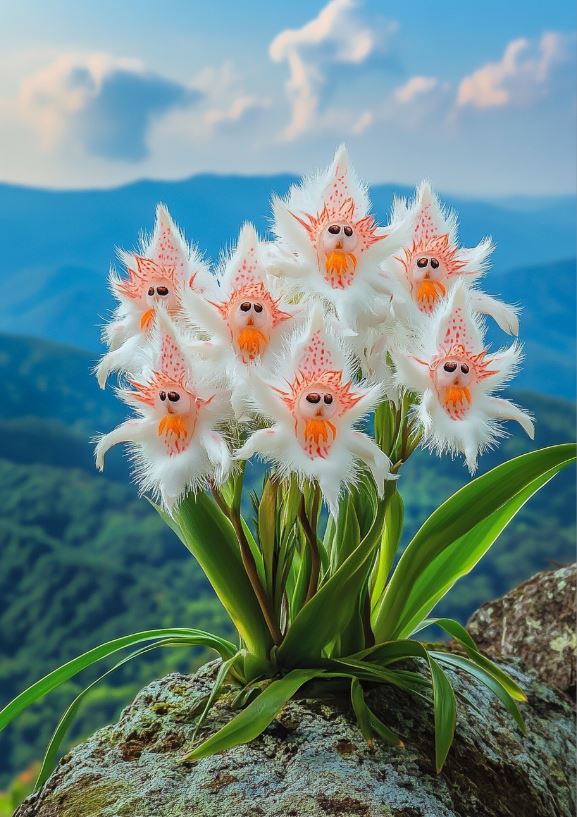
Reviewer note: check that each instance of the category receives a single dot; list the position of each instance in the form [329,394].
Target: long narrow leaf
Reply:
[445,712]
[71,668]
[458,661]
[331,608]
[392,531]
[454,628]
[51,754]
[473,517]
[210,537]
[460,558]
[253,720]
[444,701]
[369,724]
[458,632]
[223,671]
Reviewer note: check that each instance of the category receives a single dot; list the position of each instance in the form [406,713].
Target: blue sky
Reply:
[478,97]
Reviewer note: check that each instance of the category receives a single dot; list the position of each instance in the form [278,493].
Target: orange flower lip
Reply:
[428,293]
[317,431]
[340,267]
[251,343]
[146,318]
[174,424]
[456,400]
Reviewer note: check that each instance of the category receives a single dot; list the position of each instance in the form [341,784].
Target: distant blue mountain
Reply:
[58,246]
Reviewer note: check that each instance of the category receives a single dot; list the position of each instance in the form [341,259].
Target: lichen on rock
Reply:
[312,760]
[535,624]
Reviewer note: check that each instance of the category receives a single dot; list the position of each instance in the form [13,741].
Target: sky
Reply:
[477,97]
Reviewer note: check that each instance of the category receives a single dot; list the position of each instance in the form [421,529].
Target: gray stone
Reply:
[313,762]
[535,624]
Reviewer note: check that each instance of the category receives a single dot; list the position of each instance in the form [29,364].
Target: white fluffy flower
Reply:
[245,322]
[330,247]
[313,404]
[432,263]
[174,440]
[454,377]
[164,268]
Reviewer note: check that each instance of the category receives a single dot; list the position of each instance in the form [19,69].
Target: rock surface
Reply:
[312,760]
[534,623]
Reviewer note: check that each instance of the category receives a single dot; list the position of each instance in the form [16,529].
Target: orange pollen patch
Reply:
[456,400]
[174,424]
[146,319]
[251,343]
[317,431]
[428,293]
[340,267]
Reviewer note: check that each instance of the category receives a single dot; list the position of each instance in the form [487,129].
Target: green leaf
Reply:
[223,671]
[458,632]
[290,504]
[365,500]
[444,701]
[51,754]
[267,510]
[253,720]
[391,651]
[392,531]
[69,670]
[361,710]
[385,426]
[369,724]
[450,626]
[328,612]
[453,539]
[445,712]
[406,680]
[347,535]
[486,678]
[210,537]
[460,557]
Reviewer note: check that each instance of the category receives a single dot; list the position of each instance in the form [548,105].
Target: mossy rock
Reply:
[313,760]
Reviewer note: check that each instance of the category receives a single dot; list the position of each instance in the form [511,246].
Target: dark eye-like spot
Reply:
[328,399]
[245,306]
[151,290]
[334,229]
[257,308]
[450,367]
[162,396]
[313,397]
[173,396]
[348,231]
[464,368]
[422,262]
[162,291]
[434,263]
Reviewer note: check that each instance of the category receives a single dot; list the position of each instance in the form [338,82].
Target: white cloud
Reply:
[414,87]
[242,109]
[50,95]
[102,103]
[365,120]
[338,37]
[523,75]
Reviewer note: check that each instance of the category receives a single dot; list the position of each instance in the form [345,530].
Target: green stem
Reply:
[312,542]
[252,573]
[234,515]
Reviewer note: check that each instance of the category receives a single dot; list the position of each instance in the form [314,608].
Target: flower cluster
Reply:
[289,345]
